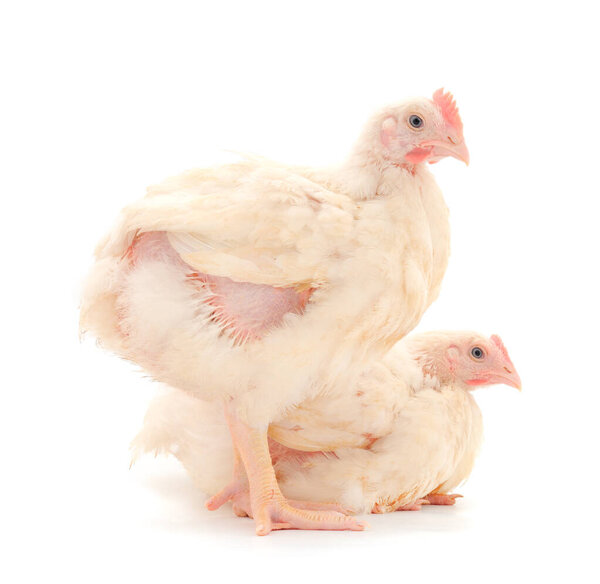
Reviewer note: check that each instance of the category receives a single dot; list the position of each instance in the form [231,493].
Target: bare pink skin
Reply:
[418,154]
[245,311]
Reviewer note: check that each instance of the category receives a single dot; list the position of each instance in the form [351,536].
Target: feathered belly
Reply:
[244,311]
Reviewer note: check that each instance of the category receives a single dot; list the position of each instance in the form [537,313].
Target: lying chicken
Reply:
[260,285]
[405,433]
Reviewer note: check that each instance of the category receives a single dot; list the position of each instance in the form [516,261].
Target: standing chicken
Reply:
[405,433]
[261,285]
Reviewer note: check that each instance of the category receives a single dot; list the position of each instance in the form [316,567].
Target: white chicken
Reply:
[405,433]
[261,285]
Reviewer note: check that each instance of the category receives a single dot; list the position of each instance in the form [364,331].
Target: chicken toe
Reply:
[262,499]
[442,499]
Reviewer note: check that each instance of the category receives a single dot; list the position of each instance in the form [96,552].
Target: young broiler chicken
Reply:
[405,433]
[260,285]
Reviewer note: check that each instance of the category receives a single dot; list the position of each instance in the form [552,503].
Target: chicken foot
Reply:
[257,494]
[431,499]
[442,499]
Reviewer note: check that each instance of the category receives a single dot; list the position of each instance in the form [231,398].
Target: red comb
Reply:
[446,103]
[498,342]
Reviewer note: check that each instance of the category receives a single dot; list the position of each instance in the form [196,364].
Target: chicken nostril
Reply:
[507,370]
[451,140]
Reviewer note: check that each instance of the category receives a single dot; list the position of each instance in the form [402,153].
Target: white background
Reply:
[100,99]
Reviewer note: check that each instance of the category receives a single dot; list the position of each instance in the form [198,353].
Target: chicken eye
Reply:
[477,353]
[416,121]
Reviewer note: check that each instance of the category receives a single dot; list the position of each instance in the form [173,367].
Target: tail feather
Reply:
[193,431]
[99,312]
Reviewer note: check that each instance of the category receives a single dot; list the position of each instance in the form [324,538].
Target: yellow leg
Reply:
[261,497]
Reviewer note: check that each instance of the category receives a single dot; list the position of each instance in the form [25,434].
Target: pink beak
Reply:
[511,378]
[454,147]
